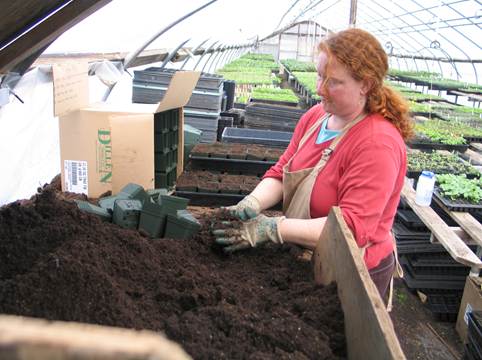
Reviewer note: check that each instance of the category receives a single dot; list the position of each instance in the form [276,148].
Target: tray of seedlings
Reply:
[439,163]
[458,193]
[206,188]
[428,136]
[234,158]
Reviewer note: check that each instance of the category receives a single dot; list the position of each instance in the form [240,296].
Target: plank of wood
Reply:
[450,241]
[476,146]
[44,340]
[473,156]
[368,328]
[460,233]
[470,225]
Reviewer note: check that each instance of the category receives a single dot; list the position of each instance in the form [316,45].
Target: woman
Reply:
[348,151]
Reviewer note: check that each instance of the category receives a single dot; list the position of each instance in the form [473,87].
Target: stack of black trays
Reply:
[428,267]
[201,111]
[272,117]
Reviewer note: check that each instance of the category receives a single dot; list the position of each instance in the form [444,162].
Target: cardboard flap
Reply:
[71,87]
[180,89]
[133,155]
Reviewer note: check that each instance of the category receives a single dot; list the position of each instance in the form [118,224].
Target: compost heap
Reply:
[59,263]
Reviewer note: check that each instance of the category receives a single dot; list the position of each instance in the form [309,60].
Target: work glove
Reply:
[246,209]
[251,233]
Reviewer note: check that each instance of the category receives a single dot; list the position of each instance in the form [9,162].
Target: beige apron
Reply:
[298,185]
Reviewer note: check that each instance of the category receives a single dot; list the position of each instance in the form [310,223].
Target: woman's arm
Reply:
[304,232]
[268,192]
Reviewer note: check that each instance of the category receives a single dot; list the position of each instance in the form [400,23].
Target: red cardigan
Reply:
[364,177]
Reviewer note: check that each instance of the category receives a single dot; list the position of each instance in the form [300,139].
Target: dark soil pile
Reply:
[59,263]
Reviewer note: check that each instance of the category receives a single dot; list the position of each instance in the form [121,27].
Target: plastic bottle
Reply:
[425,185]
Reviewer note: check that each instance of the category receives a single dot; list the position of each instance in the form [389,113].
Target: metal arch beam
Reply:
[387,20]
[216,57]
[226,51]
[365,13]
[210,56]
[172,54]
[419,20]
[133,55]
[408,25]
[204,53]
[446,39]
[193,53]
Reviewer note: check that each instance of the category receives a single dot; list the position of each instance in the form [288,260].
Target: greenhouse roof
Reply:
[428,31]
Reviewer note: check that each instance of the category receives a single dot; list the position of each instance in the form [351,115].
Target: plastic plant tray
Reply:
[440,272]
[456,205]
[402,232]
[413,283]
[254,136]
[475,333]
[411,220]
[274,102]
[236,166]
[413,247]
[444,307]
[210,199]
[437,146]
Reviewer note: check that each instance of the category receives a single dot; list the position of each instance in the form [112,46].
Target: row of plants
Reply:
[296,65]
[440,131]
[309,81]
[434,79]
[439,163]
[275,94]
[459,187]
[448,129]
[254,69]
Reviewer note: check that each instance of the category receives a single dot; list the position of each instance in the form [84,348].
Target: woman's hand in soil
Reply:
[251,233]
[246,209]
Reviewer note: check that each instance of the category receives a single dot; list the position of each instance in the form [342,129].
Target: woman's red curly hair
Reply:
[366,60]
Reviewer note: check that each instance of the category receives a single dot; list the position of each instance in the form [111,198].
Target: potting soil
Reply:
[59,263]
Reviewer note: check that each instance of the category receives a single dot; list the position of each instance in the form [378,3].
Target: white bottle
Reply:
[425,185]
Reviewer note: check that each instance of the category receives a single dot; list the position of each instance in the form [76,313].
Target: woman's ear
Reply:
[366,86]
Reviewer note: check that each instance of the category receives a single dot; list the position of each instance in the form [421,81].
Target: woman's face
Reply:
[342,95]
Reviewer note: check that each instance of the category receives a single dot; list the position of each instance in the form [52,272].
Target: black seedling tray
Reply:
[274,102]
[456,205]
[444,307]
[235,166]
[437,146]
[254,136]
[411,220]
[437,273]
[403,233]
[210,199]
[419,247]
[414,283]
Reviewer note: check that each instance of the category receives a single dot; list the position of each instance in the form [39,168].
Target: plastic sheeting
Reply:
[29,138]
[29,133]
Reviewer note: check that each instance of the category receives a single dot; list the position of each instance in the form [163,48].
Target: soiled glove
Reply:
[250,234]
[247,208]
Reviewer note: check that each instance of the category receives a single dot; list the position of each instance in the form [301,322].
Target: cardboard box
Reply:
[103,147]
[471,300]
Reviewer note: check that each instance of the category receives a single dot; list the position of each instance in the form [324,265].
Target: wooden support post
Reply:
[368,327]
